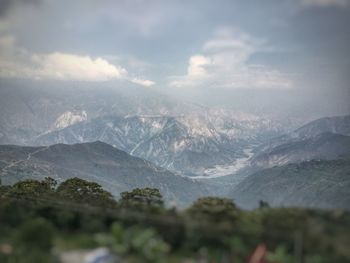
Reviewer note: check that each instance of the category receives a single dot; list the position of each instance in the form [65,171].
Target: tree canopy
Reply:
[140,228]
[142,198]
[80,191]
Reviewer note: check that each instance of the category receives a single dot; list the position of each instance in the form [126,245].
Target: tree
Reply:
[141,198]
[52,183]
[211,221]
[213,210]
[30,189]
[80,191]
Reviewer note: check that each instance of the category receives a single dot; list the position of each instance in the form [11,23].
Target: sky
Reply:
[288,56]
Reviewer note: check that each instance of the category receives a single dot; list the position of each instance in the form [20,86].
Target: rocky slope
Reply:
[190,144]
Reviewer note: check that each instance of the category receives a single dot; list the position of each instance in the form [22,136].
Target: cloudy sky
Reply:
[290,55]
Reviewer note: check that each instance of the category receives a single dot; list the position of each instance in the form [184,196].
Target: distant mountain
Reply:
[317,184]
[324,146]
[337,125]
[114,169]
[164,140]
[28,109]
[307,167]
[190,144]
[178,136]
[325,139]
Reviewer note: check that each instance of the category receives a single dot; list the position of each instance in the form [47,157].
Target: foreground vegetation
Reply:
[40,220]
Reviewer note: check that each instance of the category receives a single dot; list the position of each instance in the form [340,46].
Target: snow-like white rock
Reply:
[69,118]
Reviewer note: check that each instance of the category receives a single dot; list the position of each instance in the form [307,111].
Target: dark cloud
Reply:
[7,5]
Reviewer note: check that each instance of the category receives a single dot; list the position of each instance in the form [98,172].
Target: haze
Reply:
[288,58]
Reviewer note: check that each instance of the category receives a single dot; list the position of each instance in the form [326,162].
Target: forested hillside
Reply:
[42,221]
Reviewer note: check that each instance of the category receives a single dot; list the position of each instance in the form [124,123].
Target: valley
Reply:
[185,150]
[229,169]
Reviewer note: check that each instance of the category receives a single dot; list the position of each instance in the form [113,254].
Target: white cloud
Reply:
[224,63]
[143,82]
[19,63]
[73,67]
[197,65]
[325,3]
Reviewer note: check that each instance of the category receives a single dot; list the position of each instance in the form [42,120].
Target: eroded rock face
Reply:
[69,118]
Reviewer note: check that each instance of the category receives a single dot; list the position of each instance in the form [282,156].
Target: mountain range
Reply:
[309,167]
[124,137]
[322,139]
[182,137]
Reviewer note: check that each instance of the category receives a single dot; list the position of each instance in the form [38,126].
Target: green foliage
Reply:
[213,210]
[4,189]
[52,183]
[33,241]
[139,228]
[35,233]
[143,243]
[239,249]
[281,225]
[209,211]
[280,255]
[80,240]
[142,199]
[84,192]
[30,189]
[316,259]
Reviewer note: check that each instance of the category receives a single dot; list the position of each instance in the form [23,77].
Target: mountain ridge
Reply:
[324,138]
[317,184]
[114,169]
